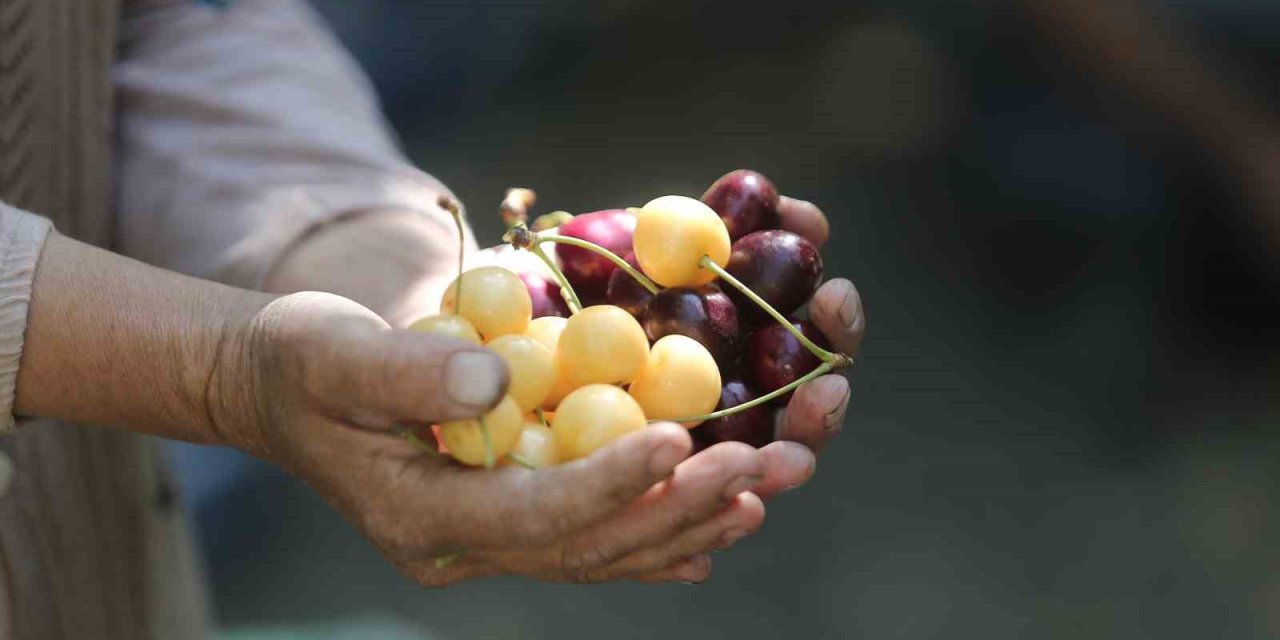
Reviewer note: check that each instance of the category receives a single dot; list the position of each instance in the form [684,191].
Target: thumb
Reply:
[382,377]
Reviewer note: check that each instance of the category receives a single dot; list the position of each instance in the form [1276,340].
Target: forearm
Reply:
[392,261]
[114,342]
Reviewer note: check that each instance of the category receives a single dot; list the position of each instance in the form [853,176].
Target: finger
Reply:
[804,219]
[837,310]
[787,466]
[816,412]
[519,508]
[380,378]
[700,488]
[741,518]
[693,570]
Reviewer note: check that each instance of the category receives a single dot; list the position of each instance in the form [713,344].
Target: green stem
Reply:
[489,460]
[413,439]
[822,370]
[822,354]
[613,257]
[446,560]
[542,417]
[566,290]
[520,460]
[451,205]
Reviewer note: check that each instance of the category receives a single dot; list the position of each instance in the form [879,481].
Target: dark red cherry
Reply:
[626,293]
[776,358]
[779,266]
[753,426]
[545,295]
[588,272]
[703,313]
[745,200]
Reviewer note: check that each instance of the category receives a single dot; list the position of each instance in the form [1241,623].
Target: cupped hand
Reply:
[816,411]
[332,383]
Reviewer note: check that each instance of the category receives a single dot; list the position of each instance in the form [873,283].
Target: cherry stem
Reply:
[613,257]
[446,560]
[542,417]
[449,204]
[822,370]
[521,460]
[413,439]
[827,357]
[566,290]
[488,444]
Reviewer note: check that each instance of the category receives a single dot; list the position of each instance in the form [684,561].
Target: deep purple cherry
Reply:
[626,293]
[703,313]
[779,266]
[745,200]
[776,358]
[753,426]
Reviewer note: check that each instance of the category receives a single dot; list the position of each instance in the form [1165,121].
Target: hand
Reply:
[816,411]
[329,381]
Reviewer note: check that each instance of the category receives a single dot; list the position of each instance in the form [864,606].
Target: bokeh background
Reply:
[1064,417]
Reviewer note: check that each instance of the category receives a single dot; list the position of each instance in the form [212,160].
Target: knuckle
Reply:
[583,562]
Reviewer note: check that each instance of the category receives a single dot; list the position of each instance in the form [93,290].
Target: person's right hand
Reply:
[329,381]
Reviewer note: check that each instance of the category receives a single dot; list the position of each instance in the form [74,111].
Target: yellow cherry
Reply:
[447,325]
[466,441]
[532,366]
[494,300]
[593,416]
[679,379]
[601,345]
[673,233]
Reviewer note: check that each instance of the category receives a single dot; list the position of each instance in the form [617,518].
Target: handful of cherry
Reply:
[680,310]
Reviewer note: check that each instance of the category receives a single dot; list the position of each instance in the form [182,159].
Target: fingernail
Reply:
[849,307]
[474,378]
[740,484]
[664,459]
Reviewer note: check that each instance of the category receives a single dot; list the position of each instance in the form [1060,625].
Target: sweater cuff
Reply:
[22,237]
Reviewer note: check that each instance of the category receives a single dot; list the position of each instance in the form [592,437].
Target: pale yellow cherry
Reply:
[447,325]
[494,300]
[547,330]
[536,446]
[673,233]
[532,367]
[592,417]
[680,379]
[465,439]
[601,345]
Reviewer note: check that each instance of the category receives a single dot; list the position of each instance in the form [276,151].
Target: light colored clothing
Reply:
[229,135]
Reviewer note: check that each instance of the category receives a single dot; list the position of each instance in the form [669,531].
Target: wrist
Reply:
[231,396]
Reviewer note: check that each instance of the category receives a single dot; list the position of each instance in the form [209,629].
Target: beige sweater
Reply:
[194,138]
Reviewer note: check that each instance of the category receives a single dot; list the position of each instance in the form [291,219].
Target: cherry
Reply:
[753,426]
[781,267]
[703,313]
[776,358]
[745,200]
[545,296]
[626,293]
[588,272]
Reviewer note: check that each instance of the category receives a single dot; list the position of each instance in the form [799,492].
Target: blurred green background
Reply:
[1064,414]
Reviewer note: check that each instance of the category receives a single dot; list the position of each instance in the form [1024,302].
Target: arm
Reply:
[244,131]
[314,382]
